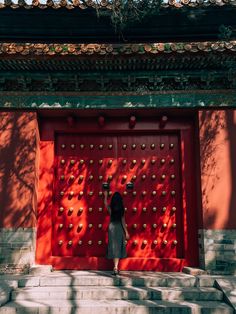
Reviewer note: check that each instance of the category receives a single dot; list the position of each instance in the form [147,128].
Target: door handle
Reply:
[129,186]
[106,186]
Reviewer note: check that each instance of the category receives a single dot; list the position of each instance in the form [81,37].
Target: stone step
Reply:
[40,270]
[115,307]
[106,279]
[117,293]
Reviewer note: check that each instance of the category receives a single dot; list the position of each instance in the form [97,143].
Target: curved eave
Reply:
[107,68]
[14,49]
[106,5]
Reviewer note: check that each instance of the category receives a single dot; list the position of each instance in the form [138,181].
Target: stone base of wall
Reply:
[218,251]
[17,249]
[14,269]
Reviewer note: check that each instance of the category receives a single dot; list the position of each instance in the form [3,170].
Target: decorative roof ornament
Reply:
[107,4]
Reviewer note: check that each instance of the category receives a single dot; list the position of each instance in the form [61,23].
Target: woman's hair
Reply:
[117,207]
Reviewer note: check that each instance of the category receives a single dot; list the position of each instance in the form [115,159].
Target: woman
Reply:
[117,230]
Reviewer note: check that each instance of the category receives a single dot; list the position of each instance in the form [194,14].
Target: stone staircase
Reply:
[97,292]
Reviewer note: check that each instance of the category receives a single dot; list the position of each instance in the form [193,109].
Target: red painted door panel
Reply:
[154,213]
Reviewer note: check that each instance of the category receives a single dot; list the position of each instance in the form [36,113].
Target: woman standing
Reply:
[117,230]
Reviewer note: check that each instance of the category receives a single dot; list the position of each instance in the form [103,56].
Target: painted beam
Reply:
[190,99]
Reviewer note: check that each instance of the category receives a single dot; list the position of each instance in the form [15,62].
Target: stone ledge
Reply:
[11,269]
[116,307]
[210,280]
[194,271]
[228,287]
[4,294]
[40,269]
[113,293]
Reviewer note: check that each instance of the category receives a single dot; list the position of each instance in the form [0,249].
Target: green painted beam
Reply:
[188,99]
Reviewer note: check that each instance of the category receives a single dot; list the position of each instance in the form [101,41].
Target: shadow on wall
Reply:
[210,123]
[218,129]
[218,171]
[18,183]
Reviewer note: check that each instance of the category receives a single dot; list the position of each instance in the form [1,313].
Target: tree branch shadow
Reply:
[18,182]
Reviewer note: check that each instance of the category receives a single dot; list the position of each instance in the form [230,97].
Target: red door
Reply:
[155,212]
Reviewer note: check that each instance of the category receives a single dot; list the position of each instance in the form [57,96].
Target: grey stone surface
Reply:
[116,307]
[228,286]
[218,251]
[8,282]
[193,271]
[180,281]
[4,295]
[207,280]
[125,279]
[15,281]
[84,292]
[40,269]
[28,281]
[193,294]
[79,281]
[17,249]
[125,293]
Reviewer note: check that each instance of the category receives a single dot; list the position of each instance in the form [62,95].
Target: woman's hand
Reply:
[105,200]
[127,235]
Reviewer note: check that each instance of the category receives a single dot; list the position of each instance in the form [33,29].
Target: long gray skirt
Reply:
[116,241]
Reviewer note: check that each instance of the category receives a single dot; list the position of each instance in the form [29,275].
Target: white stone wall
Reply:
[17,249]
[218,251]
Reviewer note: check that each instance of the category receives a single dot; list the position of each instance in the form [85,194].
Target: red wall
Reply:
[19,164]
[218,168]
[18,169]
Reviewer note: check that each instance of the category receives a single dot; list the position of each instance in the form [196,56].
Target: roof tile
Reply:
[116,49]
[71,4]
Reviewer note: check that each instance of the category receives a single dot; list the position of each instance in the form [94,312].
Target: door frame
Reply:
[50,126]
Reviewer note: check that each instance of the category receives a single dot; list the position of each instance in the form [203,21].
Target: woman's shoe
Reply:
[115,272]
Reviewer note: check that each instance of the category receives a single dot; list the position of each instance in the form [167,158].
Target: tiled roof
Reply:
[35,49]
[71,4]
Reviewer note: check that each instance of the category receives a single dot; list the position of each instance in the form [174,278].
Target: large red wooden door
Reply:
[155,211]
